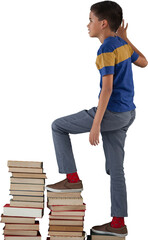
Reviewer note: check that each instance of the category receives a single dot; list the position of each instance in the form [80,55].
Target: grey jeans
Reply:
[113,130]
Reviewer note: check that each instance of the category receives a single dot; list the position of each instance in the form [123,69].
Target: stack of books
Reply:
[27,185]
[66,217]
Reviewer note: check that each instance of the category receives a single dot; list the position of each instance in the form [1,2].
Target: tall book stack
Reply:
[66,217]
[27,185]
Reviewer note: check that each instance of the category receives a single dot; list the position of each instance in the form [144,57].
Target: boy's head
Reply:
[108,13]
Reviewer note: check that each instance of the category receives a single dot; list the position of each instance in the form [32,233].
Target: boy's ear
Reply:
[104,23]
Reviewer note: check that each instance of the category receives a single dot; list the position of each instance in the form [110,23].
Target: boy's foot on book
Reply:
[65,186]
[106,229]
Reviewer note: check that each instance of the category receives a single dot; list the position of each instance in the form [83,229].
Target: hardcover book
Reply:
[29,164]
[23,211]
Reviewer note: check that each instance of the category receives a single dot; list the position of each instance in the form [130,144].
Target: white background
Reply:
[47,70]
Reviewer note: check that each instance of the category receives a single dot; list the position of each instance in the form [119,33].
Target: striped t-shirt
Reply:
[115,57]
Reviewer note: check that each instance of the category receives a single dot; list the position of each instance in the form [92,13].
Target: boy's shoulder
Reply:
[110,44]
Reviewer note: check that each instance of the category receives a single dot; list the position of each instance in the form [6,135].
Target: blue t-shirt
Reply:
[115,57]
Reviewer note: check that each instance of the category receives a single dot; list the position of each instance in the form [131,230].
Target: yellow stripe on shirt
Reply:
[105,60]
[120,54]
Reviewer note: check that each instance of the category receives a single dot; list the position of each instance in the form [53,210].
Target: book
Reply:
[66,217]
[23,211]
[67,237]
[21,226]
[29,175]
[9,237]
[20,232]
[28,198]
[64,233]
[65,201]
[26,193]
[103,237]
[11,219]
[26,204]
[25,170]
[63,195]
[67,207]
[27,180]
[66,222]
[30,164]
[71,213]
[26,187]
[65,228]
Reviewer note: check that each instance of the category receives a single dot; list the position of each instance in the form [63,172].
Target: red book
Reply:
[10,237]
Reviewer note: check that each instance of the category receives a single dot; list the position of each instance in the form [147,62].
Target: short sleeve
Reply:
[134,57]
[105,63]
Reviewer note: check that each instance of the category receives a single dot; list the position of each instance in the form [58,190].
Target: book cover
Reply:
[29,175]
[26,187]
[63,195]
[23,211]
[72,213]
[68,237]
[11,219]
[65,222]
[29,164]
[27,180]
[25,170]
[103,237]
[20,232]
[26,204]
[67,207]
[18,226]
[66,228]
[9,237]
[64,233]
[66,217]
[28,198]
[26,193]
[65,201]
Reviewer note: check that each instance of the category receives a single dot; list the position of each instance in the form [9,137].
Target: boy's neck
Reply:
[105,35]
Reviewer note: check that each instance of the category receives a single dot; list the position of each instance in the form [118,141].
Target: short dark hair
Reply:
[110,11]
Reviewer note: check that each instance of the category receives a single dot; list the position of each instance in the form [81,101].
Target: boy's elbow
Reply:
[141,62]
[145,63]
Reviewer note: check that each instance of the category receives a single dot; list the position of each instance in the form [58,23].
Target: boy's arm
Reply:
[107,86]
[141,61]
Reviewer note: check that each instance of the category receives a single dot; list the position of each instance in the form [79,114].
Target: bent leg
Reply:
[80,122]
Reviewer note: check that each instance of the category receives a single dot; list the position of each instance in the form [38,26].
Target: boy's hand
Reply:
[94,135]
[121,32]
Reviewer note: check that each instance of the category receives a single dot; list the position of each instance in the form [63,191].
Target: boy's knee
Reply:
[54,125]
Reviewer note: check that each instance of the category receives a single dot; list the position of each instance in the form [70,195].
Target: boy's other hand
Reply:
[121,32]
[94,135]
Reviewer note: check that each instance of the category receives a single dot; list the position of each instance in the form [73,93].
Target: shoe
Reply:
[106,229]
[65,186]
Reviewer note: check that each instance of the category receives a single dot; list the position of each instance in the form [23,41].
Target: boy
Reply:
[113,116]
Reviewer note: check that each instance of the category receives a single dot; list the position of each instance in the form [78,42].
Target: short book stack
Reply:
[66,217]
[27,185]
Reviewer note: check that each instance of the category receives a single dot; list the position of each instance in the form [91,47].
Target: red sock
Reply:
[117,222]
[73,177]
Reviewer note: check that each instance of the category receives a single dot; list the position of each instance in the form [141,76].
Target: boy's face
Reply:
[95,26]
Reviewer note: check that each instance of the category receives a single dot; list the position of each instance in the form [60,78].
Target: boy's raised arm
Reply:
[141,61]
